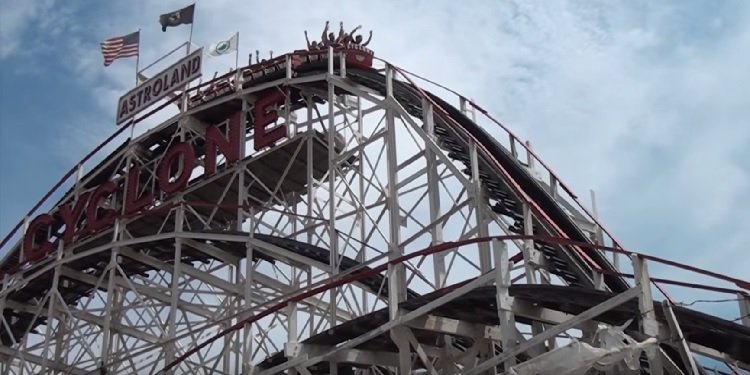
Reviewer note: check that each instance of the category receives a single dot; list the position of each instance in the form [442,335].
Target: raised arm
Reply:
[324,35]
[355,30]
[309,46]
[368,40]
[350,37]
[342,34]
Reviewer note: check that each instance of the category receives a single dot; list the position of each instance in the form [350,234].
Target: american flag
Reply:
[121,46]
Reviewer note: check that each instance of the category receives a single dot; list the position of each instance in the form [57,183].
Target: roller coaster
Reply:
[321,212]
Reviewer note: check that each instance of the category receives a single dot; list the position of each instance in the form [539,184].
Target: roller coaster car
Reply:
[301,60]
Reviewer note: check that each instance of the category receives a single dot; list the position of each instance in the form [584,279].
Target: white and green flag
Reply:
[225,46]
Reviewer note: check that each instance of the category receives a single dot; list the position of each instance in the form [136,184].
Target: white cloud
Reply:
[27,26]
[15,19]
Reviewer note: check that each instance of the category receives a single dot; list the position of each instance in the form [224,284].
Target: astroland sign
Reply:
[157,87]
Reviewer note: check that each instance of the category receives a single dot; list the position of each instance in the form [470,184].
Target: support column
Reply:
[485,260]
[598,239]
[361,209]
[530,255]
[241,215]
[532,260]
[171,347]
[247,330]
[589,329]
[291,346]
[332,234]
[241,185]
[111,312]
[396,273]
[678,338]
[107,333]
[599,233]
[433,181]
[234,354]
[504,300]
[486,348]
[52,296]
[5,367]
[648,324]
[744,301]
[62,345]
[310,222]
[477,195]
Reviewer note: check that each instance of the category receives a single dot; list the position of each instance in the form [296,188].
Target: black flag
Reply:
[183,16]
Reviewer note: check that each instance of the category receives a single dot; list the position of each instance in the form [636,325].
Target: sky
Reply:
[645,102]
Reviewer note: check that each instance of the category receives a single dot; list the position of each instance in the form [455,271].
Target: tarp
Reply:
[611,348]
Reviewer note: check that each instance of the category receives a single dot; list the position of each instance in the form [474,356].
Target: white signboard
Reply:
[155,88]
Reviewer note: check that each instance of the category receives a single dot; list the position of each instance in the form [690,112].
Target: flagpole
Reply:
[137,63]
[185,95]
[190,38]
[138,57]
[237,53]
[237,74]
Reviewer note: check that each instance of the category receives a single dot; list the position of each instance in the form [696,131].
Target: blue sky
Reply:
[645,102]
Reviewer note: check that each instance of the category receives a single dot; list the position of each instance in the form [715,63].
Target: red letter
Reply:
[263,118]
[165,166]
[31,253]
[230,146]
[71,216]
[107,218]
[134,204]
